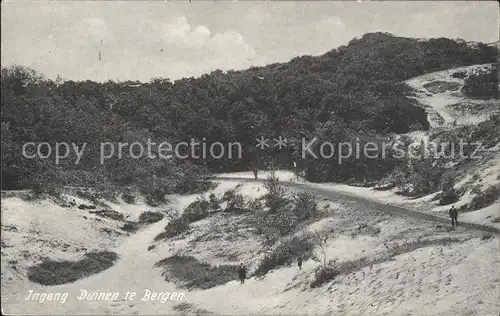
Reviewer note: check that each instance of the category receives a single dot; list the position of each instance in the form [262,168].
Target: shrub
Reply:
[305,205]
[214,202]
[130,227]
[86,194]
[323,274]
[228,195]
[86,207]
[189,273]
[284,221]
[151,200]
[476,189]
[449,197]
[107,192]
[150,217]
[128,198]
[109,214]
[285,252]
[285,218]
[254,204]
[488,197]
[174,228]
[197,210]
[156,197]
[50,272]
[180,223]
[326,273]
[486,237]
[235,203]
[459,74]
[276,195]
[273,225]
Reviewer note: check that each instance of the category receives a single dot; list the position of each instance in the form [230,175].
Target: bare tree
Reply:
[321,240]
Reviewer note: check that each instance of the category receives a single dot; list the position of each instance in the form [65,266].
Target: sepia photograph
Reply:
[250,157]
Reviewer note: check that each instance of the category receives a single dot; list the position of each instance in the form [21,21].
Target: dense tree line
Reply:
[353,93]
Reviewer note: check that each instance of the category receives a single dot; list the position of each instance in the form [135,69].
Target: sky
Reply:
[173,39]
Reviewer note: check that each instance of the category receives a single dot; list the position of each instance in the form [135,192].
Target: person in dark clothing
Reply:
[299,262]
[242,273]
[255,171]
[454,216]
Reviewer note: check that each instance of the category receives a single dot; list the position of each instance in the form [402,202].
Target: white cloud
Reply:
[182,34]
[204,49]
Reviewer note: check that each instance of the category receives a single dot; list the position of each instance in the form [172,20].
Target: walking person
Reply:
[255,171]
[242,273]
[453,216]
[299,262]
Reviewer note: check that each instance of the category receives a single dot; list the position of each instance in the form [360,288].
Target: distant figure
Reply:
[299,262]
[453,216]
[242,273]
[255,171]
[296,170]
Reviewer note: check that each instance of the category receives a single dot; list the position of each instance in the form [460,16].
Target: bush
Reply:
[51,272]
[189,273]
[174,228]
[214,202]
[155,197]
[276,196]
[130,227]
[324,274]
[476,189]
[449,197]
[273,225]
[284,221]
[86,207]
[87,195]
[197,210]
[235,203]
[128,198]
[488,197]
[180,223]
[150,217]
[459,74]
[286,251]
[109,214]
[305,205]
[254,204]
[285,218]
[228,195]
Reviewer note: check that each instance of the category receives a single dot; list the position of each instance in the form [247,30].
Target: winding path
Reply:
[370,203]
